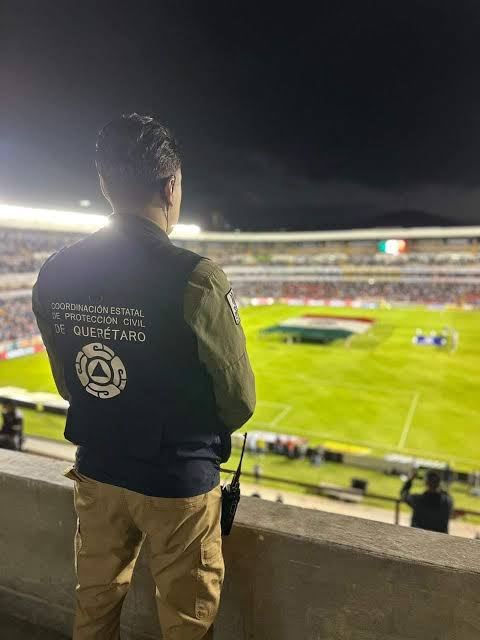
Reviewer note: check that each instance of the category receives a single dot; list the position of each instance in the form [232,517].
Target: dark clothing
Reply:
[11,433]
[431,509]
[142,404]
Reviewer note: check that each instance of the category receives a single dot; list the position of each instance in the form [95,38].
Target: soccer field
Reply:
[377,390]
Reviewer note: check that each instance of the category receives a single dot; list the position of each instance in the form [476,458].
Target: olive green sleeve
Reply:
[48,336]
[209,309]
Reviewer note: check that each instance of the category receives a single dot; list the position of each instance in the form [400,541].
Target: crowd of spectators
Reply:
[422,292]
[16,318]
[24,250]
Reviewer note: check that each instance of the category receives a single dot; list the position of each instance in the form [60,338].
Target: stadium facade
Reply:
[434,266]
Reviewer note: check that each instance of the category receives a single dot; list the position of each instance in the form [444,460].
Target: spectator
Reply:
[431,509]
[11,433]
[257,472]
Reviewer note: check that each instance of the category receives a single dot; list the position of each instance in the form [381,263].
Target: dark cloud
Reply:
[327,113]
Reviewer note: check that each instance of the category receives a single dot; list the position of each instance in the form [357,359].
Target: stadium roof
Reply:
[80,222]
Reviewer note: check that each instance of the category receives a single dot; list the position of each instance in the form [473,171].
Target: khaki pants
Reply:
[186,558]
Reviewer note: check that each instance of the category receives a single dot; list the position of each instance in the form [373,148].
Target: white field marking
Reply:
[408,420]
[376,445]
[335,437]
[350,385]
[318,381]
[281,415]
[266,403]
[282,410]
[259,423]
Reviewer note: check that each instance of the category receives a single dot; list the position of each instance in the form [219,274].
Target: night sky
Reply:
[319,115]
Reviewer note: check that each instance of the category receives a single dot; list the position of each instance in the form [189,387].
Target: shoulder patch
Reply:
[232,303]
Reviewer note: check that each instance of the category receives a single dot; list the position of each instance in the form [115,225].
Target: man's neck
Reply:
[155,214]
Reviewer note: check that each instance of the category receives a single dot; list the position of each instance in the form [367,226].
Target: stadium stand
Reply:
[435,266]
[16,317]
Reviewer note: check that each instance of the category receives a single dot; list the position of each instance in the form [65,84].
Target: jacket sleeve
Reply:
[210,310]
[45,326]
[405,494]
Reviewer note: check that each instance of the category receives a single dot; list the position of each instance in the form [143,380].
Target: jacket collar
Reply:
[139,224]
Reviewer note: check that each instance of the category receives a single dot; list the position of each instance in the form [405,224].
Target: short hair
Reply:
[135,156]
[432,479]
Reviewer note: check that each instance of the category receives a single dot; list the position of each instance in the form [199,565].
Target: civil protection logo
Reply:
[100,371]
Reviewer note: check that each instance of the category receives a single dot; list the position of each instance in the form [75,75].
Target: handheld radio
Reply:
[231,496]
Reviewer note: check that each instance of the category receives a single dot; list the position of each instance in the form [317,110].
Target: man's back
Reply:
[140,399]
[145,341]
[431,509]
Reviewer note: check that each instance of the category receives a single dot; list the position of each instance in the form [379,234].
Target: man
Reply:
[145,341]
[11,433]
[431,509]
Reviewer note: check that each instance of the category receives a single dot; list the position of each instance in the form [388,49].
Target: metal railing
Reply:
[329,490]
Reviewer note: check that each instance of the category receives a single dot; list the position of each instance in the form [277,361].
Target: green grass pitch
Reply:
[380,391]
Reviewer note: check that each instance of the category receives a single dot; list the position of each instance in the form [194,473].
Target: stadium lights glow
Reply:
[29,215]
[12,215]
[185,230]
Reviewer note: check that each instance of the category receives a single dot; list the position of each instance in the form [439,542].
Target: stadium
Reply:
[363,342]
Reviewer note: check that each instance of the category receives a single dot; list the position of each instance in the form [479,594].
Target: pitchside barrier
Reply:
[21,347]
[393,463]
[355,303]
[343,493]
[66,452]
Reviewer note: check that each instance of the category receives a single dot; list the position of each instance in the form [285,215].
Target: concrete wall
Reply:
[292,574]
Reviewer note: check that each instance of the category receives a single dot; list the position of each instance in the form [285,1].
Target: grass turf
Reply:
[381,391]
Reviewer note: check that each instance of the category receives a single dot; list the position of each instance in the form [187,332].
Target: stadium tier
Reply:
[370,345]
[424,265]
[434,266]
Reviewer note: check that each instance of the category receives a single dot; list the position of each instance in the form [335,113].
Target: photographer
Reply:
[432,508]
[11,433]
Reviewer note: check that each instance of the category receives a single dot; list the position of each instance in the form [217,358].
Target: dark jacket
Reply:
[12,424]
[431,509]
[142,405]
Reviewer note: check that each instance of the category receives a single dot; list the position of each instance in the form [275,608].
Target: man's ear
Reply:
[168,191]
[102,184]
[104,188]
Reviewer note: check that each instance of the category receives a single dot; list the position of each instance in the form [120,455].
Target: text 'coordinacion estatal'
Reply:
[118,323]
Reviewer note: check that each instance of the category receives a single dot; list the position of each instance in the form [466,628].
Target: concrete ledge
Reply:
[292,574]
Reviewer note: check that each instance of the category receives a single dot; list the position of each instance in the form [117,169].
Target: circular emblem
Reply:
[100,371]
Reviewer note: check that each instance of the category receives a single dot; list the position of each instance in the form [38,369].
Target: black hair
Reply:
[432,479]
[135,156]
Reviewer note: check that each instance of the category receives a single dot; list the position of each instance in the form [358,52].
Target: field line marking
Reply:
[408,420]
[281,415]
[267,403]
[314,380]
[416,453]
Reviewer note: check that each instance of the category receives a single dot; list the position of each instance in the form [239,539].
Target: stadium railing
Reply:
[326,491]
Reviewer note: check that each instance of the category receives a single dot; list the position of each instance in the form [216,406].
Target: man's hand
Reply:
[412,475]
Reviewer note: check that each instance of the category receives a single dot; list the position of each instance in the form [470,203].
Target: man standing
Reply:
[431,509]
[11,433]
[145,341]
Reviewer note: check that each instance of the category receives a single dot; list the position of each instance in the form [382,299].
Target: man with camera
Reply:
[11,433]
[433,508]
